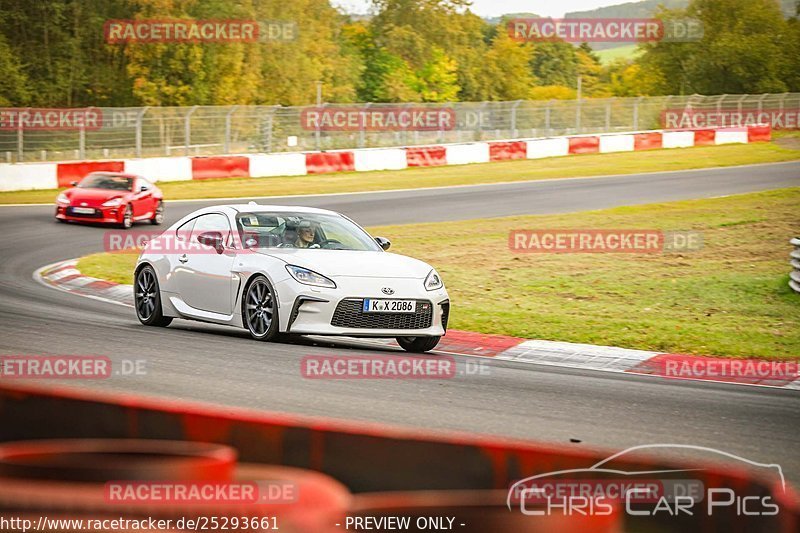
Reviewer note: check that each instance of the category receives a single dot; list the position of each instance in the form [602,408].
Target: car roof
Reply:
[112,173]
[257,208]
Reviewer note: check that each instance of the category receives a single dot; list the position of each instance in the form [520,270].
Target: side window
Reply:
[184,232]
[213,222]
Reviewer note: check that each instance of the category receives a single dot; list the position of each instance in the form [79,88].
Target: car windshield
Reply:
[302,230]
[106,181]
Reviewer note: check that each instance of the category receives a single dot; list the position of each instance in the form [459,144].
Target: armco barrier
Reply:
[731,136]
[647,141]
[220,167]
[465,154]
[704,137]
[268,165]
[617,143]
[50,175]
[677,139]
[69,172]
[28,176]
[380,159]
[161,168]
[426,156]
[364,457]
[324,162]
[794,275]
[584,145]
[759,133]
[555,147]
[503,151]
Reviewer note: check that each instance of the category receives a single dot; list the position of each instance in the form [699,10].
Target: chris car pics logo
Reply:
[604,487]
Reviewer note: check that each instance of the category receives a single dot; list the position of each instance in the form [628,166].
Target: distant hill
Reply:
[641,9]
[644,9]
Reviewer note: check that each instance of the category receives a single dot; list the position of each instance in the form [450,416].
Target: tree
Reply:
[555,63]
[741,51]
[13,83]
[506,70]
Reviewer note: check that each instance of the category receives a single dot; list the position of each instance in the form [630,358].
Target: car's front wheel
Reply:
[260,310]
[418,344]
[127,218]
[147,299]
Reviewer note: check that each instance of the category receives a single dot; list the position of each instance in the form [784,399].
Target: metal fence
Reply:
[794,275]
[209,130]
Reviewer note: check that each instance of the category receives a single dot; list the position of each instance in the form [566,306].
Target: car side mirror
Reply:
[212,239]
[383,242]
[144,188]
[73,183]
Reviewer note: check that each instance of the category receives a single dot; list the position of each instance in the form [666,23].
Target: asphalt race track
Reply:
[220,365]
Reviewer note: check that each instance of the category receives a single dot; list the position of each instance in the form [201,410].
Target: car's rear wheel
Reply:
[158,215]
[259,309]
[418,344]
[127,218]
[147,298]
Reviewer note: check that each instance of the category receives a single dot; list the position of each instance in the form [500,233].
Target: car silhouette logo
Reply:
[387,290]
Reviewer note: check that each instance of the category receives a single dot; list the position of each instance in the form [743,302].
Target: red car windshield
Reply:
[107,181]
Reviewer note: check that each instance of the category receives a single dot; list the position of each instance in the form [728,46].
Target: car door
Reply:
[204,279]
[142,201]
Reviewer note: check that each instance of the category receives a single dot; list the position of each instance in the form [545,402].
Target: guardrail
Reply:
[135,132]
[794,275]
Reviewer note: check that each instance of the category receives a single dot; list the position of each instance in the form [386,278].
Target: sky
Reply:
[490,8]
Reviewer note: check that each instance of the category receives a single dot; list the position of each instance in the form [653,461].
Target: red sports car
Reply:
[111,197]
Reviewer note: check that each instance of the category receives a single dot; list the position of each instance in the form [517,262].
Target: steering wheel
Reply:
[326,242]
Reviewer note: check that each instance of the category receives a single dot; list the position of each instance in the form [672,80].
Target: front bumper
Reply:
[318,311]
[102,215]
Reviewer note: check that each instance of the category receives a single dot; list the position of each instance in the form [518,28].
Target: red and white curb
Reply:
[65,276]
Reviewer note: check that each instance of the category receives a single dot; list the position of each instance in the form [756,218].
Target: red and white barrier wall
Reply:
[23,176]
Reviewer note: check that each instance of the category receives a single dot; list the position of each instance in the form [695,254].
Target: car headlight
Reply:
[113,202]
[309,277]
[62,199]
[433,281]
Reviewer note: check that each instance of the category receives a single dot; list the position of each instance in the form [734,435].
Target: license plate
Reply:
[389,306]
[83,210]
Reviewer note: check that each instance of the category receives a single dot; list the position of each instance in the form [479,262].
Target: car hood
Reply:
[92,197]
[336,263]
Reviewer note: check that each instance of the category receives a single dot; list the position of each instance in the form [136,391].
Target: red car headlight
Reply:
[115,202]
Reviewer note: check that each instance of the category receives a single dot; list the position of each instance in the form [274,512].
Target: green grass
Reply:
[116,267]
[729,299]
[628,51]
[521,170]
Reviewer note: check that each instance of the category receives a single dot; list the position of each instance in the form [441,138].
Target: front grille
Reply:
[96,214]
[349,314]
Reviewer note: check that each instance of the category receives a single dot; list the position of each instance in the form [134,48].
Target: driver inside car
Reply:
[306,235]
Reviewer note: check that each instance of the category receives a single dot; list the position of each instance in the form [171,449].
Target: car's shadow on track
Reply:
[339,343]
